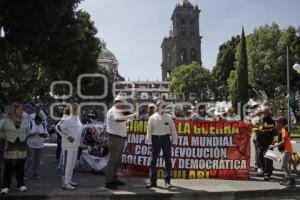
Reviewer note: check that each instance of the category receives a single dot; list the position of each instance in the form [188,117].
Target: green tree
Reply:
[45,41]
[224,65]
[240,86]
[188,79]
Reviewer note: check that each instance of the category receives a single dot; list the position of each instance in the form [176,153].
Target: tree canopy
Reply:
[191,79]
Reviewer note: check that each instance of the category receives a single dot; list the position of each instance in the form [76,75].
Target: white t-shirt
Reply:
[71,126]
[113,127]
[34,140]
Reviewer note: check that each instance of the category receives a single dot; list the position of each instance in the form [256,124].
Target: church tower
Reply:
[183,44]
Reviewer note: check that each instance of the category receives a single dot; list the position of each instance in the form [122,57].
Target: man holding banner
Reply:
[160,128]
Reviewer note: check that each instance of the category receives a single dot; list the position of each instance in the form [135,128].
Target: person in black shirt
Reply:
[265,132]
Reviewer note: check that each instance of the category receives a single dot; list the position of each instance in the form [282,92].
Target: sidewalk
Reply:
[92,187]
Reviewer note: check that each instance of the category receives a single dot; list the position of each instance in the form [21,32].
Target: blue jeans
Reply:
[33,162]
[161,142]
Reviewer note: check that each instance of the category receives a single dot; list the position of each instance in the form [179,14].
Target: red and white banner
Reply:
[206,149]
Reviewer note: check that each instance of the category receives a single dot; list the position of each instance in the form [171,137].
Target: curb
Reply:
[228,195]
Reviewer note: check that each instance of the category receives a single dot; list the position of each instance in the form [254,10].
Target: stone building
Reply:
[183,44]
[109,61]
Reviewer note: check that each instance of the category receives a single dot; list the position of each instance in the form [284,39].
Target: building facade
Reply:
[183,44]
[109,61]
[144,91]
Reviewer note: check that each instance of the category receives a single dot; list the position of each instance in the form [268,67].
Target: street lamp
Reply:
[296,67]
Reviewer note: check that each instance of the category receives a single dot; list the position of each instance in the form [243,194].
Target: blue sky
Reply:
[134,29]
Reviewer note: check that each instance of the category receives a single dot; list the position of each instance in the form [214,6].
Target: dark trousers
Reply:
[265,163]
[158,143]
[58,147]
[11,167]
[1,160]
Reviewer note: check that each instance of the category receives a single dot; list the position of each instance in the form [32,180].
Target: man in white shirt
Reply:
[117,130]
[71,129]
[160,130]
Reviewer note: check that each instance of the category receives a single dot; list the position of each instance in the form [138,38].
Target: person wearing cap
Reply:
[265,131]
[35,142]
[28,112]
[71,129]
[161,129]
[285,145]
[150,111]
[117,133]
[220,113]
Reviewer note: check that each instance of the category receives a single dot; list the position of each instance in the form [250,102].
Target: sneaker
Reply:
[111,186]
[168,185]
[74,183]
[151,185]
[290,183]
[283,181]
[119,183]
[68,187]
[260,175]
[23,188]
[267,178]
[259,170]
[4,191]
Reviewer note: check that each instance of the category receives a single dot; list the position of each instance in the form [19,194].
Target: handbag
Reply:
[15,151]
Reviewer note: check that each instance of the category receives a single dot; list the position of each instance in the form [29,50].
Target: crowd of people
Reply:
[24,128]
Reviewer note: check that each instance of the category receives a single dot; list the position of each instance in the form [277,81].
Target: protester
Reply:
[14,130]
[29,112]
[59,154]
[253,120]
[200,114]
[265,131]
[117,133]
[220,113]
[231,115]
[71,129]
[150,111]
[160,128]
[35,142]
[287,150]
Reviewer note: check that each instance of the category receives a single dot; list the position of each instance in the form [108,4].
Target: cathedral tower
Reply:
[183,45]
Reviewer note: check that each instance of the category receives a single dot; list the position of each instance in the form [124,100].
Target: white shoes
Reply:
[23,188]
[74,183]
[4,191]
[68,187]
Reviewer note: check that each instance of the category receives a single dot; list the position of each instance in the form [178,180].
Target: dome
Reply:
[106,53]
[185,4]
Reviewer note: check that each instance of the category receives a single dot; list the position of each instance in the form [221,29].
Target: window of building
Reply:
[192,31]
[193,54]
[183,56]
[183,31]
[192,21]
[182,21]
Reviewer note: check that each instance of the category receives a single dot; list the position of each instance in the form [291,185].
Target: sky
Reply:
[134,29]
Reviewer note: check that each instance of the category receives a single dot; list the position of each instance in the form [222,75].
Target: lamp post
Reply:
[296,67]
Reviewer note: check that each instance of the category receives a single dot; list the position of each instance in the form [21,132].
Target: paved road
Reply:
[91,187]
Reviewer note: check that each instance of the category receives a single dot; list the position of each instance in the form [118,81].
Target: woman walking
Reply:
[14,130]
